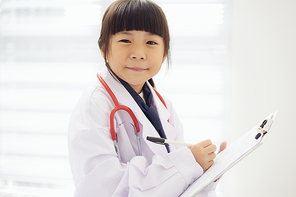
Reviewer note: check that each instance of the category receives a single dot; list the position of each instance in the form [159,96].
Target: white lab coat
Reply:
[96,169]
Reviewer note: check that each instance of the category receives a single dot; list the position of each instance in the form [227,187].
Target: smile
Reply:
[138,69]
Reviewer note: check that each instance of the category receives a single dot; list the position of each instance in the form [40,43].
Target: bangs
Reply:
[138,15]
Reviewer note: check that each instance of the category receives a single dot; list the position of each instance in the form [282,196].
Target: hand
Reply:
[204,153]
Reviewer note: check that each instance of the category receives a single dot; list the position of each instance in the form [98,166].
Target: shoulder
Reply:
[98,96]
[165,100]
[92,110]
[93,95]
[168,102]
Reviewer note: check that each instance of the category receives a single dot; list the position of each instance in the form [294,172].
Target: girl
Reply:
[134,42]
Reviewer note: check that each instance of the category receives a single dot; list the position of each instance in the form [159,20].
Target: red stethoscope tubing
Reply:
[117,108]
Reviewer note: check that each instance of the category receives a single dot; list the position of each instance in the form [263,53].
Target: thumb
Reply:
[222,146]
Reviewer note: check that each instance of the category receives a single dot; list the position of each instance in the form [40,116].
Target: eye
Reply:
[151,43]
[125,41]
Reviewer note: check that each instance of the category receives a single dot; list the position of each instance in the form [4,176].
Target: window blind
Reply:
[49,55]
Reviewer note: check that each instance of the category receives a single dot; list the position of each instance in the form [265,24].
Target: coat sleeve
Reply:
[101,173]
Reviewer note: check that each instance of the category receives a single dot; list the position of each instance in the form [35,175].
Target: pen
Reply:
[163,141]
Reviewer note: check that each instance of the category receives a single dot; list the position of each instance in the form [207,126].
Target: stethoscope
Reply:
[112,114]
[129,111]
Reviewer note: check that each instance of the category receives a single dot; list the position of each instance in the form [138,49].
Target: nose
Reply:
[138,53]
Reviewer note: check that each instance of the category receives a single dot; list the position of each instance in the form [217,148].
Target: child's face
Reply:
[136,56]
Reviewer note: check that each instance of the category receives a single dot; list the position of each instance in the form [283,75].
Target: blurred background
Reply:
[233,63]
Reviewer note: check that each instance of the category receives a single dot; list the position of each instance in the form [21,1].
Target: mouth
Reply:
[137,69]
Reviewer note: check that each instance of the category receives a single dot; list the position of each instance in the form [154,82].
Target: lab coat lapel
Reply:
[163,112]
[164,115]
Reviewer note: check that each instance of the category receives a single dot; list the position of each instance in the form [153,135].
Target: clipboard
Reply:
[230,156]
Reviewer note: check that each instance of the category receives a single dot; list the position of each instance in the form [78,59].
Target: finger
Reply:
[211,156]
[211,148]
[222,146]
[205,143]
[210,163]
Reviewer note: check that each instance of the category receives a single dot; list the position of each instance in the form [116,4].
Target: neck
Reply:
[137,88]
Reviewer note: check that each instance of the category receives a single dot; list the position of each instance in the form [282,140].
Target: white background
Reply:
[263,70]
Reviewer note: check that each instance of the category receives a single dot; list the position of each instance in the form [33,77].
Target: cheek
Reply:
[114,57]
[160,58]
[157,63]
[117,54]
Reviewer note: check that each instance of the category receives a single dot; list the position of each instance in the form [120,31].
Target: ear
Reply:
[164,57]
[101,49]
[102,52]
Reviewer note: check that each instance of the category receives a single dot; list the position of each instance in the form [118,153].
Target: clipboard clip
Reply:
[264,127]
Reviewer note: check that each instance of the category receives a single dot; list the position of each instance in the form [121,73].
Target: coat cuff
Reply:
[185,162]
